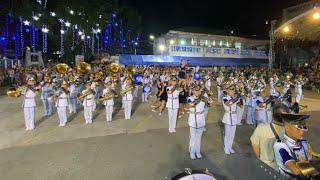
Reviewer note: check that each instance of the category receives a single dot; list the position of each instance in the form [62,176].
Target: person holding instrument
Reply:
[293,154]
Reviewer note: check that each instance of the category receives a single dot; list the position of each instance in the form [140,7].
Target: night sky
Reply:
[245,17]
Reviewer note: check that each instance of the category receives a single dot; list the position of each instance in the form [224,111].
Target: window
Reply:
[237,45]
[213,43]
[193,42]
[202,42]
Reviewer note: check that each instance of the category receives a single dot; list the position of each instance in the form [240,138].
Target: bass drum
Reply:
[195,175]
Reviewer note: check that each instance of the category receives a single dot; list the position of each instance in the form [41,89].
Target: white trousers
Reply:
[88,114]
[72,105]
[240,112]
[195,140]
[109,110]
[298,97]
[29,117]
[229,132]
[62,114]
[172,114]
[219,94]
[127,109]
[145,97]
[250,115]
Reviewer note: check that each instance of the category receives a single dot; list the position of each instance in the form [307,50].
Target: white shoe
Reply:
[199,156]
[192,156]
[153,110]
[232,151]
[226,152]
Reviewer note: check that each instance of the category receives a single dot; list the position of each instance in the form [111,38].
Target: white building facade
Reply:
[187,44]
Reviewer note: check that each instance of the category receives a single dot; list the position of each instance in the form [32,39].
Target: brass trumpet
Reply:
[16,92]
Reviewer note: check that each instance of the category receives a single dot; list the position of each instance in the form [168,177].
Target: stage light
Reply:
[151,37]
[45,30]
[67,24]
[53,14]
[267,22]
[316,15]
[71,12]
[100,16]
[171,41]
[136,43]
[26,23]
[182,42]
[36,18]
[286,29]
[62,31]
[98,30]
[162,47]
[232,32]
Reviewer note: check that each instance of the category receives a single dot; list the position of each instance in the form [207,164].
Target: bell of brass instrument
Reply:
[83,68]
[130,70]
[61,68]
[114,70]
[16,92]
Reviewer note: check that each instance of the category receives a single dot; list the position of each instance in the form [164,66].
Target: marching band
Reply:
[242,93]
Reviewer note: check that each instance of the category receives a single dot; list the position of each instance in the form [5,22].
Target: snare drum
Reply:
[195,175]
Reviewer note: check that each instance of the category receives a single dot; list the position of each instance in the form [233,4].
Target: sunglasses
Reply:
[302,127]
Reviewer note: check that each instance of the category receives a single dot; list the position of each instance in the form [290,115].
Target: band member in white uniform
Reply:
[108,102]
[208,82]
[230,119]
[196,122]
[298,88]
[87,96]
[46,92]
[263,112]
[219,79]
[29,104]
[146,89]
[172,104]
[62,103]
[74,91]
[127,97]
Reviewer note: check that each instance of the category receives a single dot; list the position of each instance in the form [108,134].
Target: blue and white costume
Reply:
[197,124]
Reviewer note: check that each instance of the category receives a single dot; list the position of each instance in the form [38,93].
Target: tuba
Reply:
[83,68]
[115,70]
[61,68]
[130,70]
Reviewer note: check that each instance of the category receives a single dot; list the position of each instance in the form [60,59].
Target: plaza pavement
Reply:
[140,148]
